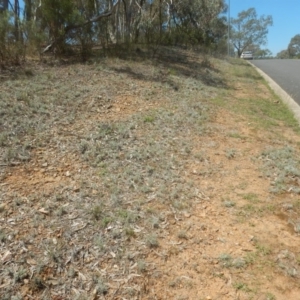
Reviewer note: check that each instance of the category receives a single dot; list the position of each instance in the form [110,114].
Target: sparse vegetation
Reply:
[242,286]
[270,296]
[226,260]
[282,165]
[228,203]
[230,153]
[121,172]
[152,241]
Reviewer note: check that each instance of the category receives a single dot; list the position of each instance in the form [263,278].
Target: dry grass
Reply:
[96,166]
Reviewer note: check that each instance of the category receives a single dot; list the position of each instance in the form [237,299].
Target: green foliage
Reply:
[61,24]
[283,54]
[249,29]
[283,166]
[57,15]
[199,21]
[262,53]
[294,47]
[11,50]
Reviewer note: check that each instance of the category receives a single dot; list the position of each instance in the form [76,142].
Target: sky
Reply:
[286,19]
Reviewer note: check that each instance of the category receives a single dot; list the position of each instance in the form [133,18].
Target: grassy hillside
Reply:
[175,177]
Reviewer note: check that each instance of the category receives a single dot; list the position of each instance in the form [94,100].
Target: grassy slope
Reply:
[95,162]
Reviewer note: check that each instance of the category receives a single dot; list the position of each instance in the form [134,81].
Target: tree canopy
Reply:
[59,24]
[294,47]
[248,29]
[283,54]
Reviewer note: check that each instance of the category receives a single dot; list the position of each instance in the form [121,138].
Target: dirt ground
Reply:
[235,235]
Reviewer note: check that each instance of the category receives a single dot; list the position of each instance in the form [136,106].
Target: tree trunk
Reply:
[28,10]
[160,21]
[17,16]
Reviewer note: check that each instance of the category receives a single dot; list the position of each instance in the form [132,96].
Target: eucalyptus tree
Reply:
[199,19]
[283,54]
[64,23]
[67,20]
[11,38]
[249,29]
[28,10]
[294,46]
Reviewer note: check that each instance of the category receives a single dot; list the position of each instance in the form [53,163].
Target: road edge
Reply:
[279,91]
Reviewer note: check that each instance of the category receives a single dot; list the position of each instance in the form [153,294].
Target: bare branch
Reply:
[75,26]
[93,20]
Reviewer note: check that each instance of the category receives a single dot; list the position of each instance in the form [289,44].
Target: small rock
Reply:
[288,206]
[53,282]
[68,174]
[76,189]
[44,165]
[187,215]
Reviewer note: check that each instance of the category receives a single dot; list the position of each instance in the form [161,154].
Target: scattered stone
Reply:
[187,215]
[76,189]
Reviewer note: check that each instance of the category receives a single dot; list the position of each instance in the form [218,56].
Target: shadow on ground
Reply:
[175,62]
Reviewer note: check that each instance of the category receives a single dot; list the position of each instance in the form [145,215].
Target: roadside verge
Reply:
[286,98]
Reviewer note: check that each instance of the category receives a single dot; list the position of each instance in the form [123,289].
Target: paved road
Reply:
[285,72]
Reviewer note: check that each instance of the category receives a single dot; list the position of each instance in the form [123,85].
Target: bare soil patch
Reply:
[172,178]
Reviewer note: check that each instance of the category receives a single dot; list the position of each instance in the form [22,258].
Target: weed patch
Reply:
[282,165]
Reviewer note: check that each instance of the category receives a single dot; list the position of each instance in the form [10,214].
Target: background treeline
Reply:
[35,26]
[293,49]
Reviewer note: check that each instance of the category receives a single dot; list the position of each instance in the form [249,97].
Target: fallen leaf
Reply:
[44,211]
[6,257]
